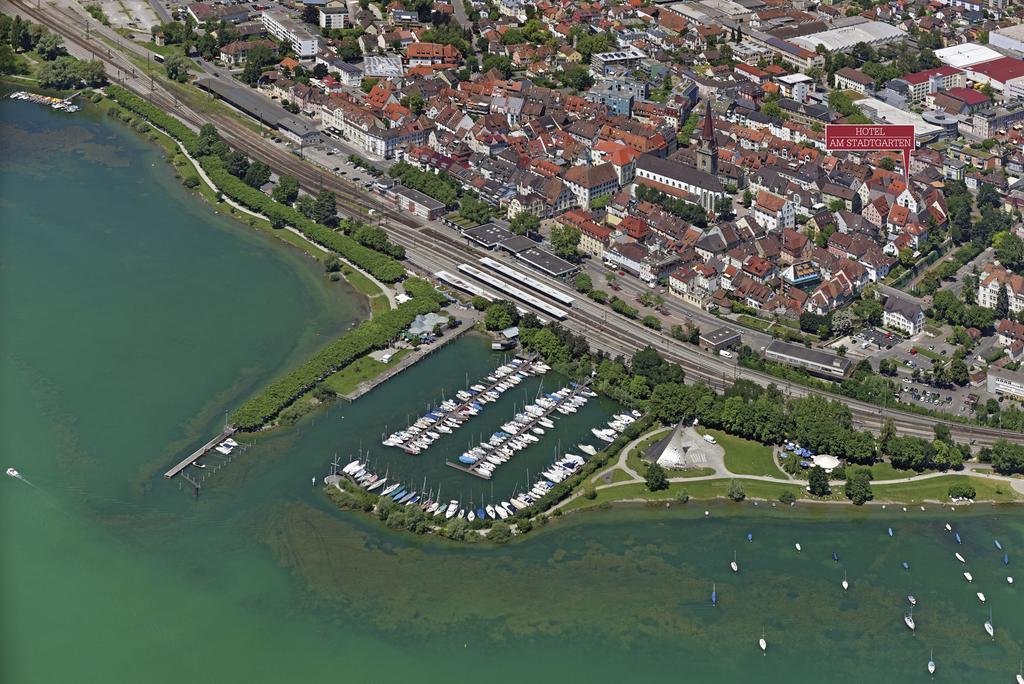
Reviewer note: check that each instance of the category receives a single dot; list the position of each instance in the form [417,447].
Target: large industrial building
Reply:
[872,33]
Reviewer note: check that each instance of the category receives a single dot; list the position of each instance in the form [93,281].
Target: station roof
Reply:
[546,261]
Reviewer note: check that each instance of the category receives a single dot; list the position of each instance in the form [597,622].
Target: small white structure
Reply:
[826,462]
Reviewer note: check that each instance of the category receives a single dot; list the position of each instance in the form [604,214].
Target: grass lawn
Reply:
[363,368]
[885,471]
[689,472]
[755,323]
[703,489]
[633,459]
[938,488]
[617,475]
[746,457]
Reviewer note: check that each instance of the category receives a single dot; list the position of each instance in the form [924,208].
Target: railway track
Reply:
[428,249]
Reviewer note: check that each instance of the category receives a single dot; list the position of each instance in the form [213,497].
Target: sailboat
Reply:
[714,596]
[956,535]
[959,558]
[909,619]
[1020,673]
[890,531]
[762,643]
[750,537]
[931,662]
[846,585]
[999,546]
[949,528]
[989,629]
[797,547]
[735,567]
[981,597]
[835,557]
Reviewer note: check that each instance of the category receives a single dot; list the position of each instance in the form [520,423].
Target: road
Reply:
[461,16]
[431,247]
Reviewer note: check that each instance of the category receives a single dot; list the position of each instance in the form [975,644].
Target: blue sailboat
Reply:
[906,565]
[956,535]
[835,557]
[1006,559]
[714,596]
[750,537]
[399,494]
[890,531]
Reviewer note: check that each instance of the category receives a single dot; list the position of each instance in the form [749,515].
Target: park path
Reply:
[388,292]
[971,469]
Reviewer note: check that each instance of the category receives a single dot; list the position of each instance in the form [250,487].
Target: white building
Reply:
[1002,381]
[796,86]
[334,15]
[903,315]
[304,43]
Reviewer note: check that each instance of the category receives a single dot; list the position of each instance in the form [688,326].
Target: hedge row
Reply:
[380,266]
[156,116]
[370,335]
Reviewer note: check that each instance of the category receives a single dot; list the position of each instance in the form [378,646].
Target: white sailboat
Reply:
[981,597]
[909,619]
[762,643]
[969,577]
[989,628]
[959,558]
[846,585]
[735,566]
[931,663]
[798,547]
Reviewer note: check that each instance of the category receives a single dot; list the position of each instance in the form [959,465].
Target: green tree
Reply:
[286,190]
[1002,302]
[817,479]
[500,315]
[656,478]
[583,283]
[787,497]
[325,208]
[1011,251]
[736,492]
[858,486]
[50,46]
[176,68]
[565,239]
[524,223]
[255,62]
[500,533]
[237,164]
[61,73]
[91,72]
[257,174]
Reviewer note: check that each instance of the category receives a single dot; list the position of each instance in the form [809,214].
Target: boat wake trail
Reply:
[11,472]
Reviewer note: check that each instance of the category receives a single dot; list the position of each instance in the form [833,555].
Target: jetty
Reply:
[200,452]
[470,401]
[527,429]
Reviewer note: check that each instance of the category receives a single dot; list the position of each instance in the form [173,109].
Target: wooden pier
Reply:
[200,452]
[456,412]
[527,427]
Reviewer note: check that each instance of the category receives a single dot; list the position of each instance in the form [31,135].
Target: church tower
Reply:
[707,151]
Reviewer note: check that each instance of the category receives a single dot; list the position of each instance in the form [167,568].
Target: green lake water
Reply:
[132,317]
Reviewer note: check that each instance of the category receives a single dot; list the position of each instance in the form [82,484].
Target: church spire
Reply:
[707,150]
[709,123]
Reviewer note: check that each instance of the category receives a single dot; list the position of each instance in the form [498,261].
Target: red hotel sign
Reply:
[870,138]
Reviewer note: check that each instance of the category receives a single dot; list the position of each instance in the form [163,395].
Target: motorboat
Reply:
[959,558]
[587,449]
[912,599]
[453,508]
[798,547]
[197,464]
[969,577]
[11,472]
[981,597]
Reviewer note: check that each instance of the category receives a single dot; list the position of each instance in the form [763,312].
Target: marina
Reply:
[60,104]
[524,429]
[450,414]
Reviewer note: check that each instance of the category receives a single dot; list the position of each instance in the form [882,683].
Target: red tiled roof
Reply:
[923,76]
[1002,69]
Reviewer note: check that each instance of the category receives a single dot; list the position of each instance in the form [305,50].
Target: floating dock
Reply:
[527,427]
[200,452]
